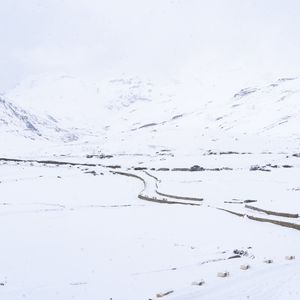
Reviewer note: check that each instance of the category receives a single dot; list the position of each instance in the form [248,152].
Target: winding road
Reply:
[150,192]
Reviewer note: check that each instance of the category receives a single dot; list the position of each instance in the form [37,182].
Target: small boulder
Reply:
[245,267]
[290,257]
[196,168]
[198,283]
[268,261]
[223,274]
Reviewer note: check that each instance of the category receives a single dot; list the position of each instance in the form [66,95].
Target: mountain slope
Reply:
[15,121]
[131,114]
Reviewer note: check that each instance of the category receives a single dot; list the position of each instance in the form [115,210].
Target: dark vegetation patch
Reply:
[140,168]
[211,152]
[197,168]
[99,156]
[265,167]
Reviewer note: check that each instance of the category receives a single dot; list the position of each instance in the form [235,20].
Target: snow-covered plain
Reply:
[69,234]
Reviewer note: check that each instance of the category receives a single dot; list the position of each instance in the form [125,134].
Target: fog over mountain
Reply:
[181,40]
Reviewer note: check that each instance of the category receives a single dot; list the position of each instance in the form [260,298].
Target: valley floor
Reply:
[81,232]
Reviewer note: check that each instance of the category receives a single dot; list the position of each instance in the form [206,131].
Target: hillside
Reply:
[141,115]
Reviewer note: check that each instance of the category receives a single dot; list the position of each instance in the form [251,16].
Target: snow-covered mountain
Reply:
[80,100]
[18,122]
[130,113]
[266,110]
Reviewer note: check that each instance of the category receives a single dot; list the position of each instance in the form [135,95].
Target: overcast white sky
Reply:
[161,38]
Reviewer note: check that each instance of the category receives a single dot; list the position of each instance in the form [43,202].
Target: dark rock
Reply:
[240,252]
[234,256]
[196,168]
[114,167]
[210,152]
[91,172]
[272,166]
[259,168]
[249,201]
